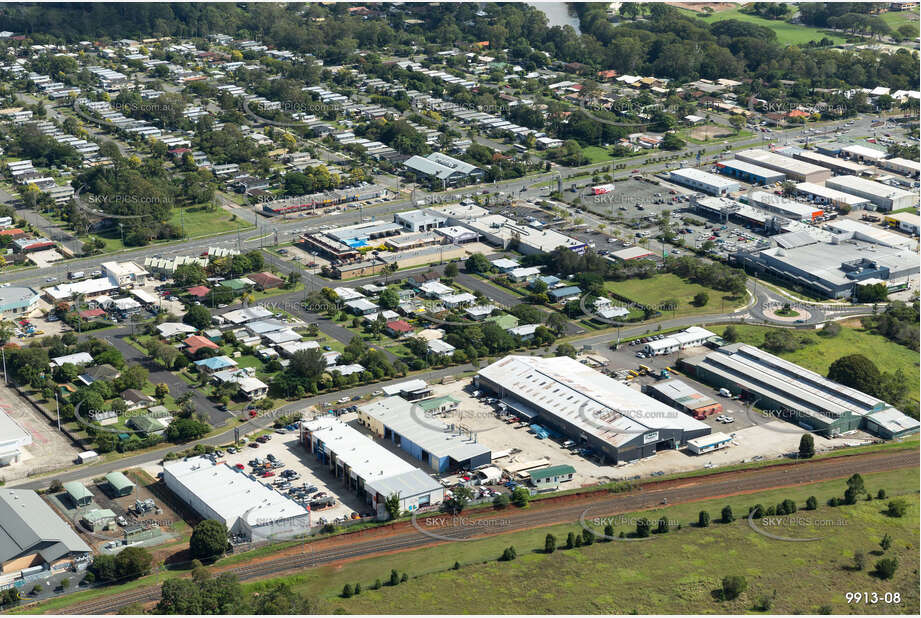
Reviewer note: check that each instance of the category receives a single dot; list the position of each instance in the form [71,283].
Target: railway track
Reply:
[600,504]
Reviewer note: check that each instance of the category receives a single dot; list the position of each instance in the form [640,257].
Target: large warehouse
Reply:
[902,166]
[839,199]
[831,270]
[13,439]
[243,504]
[885,198]
[750,173]
[423,436]
[704,181]
[615,421]
[681,395]
[799,395]
[778,205]
[367,468]
[838,166]
[34,541]
[799,171]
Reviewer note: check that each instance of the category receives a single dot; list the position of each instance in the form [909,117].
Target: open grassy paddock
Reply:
[787,34]
[666,286]
[817,356]
[678,570]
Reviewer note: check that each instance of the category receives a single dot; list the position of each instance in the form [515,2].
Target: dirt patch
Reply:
[710,131]
[698,7]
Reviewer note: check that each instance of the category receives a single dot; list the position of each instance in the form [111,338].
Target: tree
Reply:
[460,499]
[394,578]
[281,600]
[726,515]
[308,364]
[642,527]
[451,270]
[662,526]
[806,446]
[701,299]
[508,554]
[389,299]
[566,349]
[860,561]
[671,141]
[132,562]
[856,371]
[737,121]
[501,501]
[347,591]
[897,508]
[570,540]
[733,586]
[557,323]
[392,504]
[549,544]
[703,519]
[477,263]
[885,568]
[521,496]
[161,391]
[209,540]
[731,334]
[886,542]
[187,275]
[198,316]
[811,503]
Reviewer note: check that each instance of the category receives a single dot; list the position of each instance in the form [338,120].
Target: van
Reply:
[725,392]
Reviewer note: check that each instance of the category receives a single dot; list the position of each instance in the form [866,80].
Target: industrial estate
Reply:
[363,308]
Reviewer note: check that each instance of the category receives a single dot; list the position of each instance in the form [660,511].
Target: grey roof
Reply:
[28,524]
[406,485]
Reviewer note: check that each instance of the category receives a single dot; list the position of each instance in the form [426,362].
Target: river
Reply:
[557,14]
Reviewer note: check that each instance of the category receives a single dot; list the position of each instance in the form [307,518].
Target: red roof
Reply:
[11,232]
[199,291]
[266,280]
[194,343]
[92,313]
[399,326]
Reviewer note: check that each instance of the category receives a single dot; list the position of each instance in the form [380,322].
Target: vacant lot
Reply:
[675,572]
[656,290]
[887,355]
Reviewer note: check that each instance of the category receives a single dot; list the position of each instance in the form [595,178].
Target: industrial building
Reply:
[34,541]
[681,395]
[824,195]
[884,197]
[615,422]
[752,174]
[688,338]
[238,500]
[78,494]
[863,153]
[799,171]
[13,439]
[706,444]
[704,181]
[836,165]
[831,269]
[847,229]
[17,301]
[502,231]
[119,484]
[419,220]
[797,394]
[551,477]
[448,170]
[902,166]
[775,204]
[907,222]
[367,468]
[423,435]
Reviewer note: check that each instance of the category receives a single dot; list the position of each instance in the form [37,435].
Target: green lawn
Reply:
[675,572]
[596,154]
[787,34]
[894,19]
[666,286]
[203,222]
[887,355]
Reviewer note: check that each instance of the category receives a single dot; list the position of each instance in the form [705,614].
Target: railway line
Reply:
[568,509]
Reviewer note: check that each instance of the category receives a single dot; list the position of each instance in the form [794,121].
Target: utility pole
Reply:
[6,380]
[58,408]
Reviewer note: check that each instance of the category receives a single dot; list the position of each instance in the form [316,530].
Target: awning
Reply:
[521,409]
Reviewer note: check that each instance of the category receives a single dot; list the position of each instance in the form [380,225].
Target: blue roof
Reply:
[571,290]
[216,362]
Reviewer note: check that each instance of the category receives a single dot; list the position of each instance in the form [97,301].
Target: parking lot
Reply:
[310,473]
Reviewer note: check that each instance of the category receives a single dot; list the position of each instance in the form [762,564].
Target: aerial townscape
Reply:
[460,308]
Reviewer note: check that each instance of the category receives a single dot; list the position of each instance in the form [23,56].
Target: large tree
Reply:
[856,371]
[209,540]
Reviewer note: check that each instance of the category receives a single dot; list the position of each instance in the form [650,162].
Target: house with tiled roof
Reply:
[194,343]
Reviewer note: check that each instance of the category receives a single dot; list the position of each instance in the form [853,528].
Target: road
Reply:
[564,510]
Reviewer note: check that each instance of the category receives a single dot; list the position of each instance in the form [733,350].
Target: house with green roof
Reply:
[438,405]
[236,284]
[119,484]
[147,425]
[78,493]
[550,478]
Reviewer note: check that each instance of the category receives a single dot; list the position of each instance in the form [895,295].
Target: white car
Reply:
[343,400]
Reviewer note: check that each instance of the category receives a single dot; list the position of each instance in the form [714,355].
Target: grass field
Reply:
[203,222]
[666,286]
[787,34]
[894,19]
[676,572]
[596,154]
[887,355]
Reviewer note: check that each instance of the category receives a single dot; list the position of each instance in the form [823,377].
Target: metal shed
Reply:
[120,484]
[79,494]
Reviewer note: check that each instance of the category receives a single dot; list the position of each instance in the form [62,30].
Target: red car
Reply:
[635,172]
[253,413]
[268,474]
[239,467]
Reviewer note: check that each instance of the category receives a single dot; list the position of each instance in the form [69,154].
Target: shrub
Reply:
[811,503]
[726,515]
[881,494]
[570,540]
[404,578]
[609,532]
[703,519]
[886,542]
[358,588]
[886,568]
[860,561]
[896,508]
[456,568]
[549,544]
[501,501]
[642,527]
[763,604]
[588,537]
[733,586]
[508,554]
[662,527]
[394,577]
[347,591]
[377,584]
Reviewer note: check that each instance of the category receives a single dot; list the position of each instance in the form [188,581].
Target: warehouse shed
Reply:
[119,484]
[78,493]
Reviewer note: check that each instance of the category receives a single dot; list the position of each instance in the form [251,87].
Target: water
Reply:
[557,14]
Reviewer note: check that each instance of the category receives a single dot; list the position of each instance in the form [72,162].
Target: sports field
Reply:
[787,34]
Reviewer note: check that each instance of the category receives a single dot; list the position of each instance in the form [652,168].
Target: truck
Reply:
[78,274]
